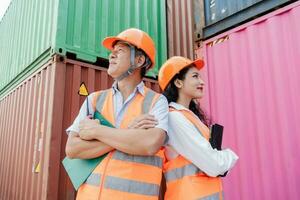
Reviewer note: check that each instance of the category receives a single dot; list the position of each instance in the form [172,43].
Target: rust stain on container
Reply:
[33,120]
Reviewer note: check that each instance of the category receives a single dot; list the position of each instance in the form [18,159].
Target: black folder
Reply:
[216,136]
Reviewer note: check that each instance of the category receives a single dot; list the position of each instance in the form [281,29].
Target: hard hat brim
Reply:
[198,63]
[109,41]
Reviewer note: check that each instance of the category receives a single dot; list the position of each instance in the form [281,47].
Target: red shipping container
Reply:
[33,120]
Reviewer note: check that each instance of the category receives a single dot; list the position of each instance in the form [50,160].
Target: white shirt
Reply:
[160,108]
[186,140]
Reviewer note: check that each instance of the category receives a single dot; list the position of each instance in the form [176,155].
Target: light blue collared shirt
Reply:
[160,108]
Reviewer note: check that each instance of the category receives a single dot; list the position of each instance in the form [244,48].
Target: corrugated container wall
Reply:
[25,131]
[199,19]
[252,77]
[27,31]
[31,31]
[223,14]
[180,28]
[33,120]
[217,10]
[82,25]
[96,79]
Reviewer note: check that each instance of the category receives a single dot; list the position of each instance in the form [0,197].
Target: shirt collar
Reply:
[139,88]
[178,106]
[181,107]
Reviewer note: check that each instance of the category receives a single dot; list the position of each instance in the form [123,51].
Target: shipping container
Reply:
[180,28]
[220,15]
[253,84]
[32,31]
[33,120]
[82,25]
[27,33]
[199,19]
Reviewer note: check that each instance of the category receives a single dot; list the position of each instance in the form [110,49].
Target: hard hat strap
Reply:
[132,64]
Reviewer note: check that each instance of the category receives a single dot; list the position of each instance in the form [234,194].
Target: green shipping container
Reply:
[33,30]
[27,34]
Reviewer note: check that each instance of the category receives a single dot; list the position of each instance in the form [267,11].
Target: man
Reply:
[133,167]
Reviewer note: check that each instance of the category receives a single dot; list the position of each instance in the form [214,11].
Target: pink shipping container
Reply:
[252,76]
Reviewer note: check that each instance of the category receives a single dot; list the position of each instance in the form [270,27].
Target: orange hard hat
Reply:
[173,66]
[137,38]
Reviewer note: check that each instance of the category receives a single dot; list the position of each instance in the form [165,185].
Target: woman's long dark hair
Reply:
[171,93]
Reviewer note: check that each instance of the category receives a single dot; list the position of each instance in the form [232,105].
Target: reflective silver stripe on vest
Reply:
[101,99]
[179,173]
[93,179]
[148,101]
[131,186]
[215,196]
[148,160]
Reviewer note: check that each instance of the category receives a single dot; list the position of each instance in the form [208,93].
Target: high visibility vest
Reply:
[121,175]
[186,181]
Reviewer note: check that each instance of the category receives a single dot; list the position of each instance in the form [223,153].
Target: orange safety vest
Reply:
[121,175]
[186,181]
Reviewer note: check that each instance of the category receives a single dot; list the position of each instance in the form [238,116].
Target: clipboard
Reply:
[80,169]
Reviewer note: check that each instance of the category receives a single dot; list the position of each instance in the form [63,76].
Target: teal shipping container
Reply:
[32,31]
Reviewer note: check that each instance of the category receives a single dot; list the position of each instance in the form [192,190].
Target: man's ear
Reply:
[141,60]
[178,83]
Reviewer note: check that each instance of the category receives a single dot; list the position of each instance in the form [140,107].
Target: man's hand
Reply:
[145,121]
[87,128]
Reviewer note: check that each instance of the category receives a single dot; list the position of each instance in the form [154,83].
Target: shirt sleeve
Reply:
[160,111]
[188,142]
[83,113]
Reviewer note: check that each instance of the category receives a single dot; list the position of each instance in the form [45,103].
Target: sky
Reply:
[3,6]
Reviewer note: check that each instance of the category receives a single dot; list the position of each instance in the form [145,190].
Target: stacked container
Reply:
[48,48]
[33,120]
[32,32]
[252,83]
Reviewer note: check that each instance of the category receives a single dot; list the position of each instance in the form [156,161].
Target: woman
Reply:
[193,167]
